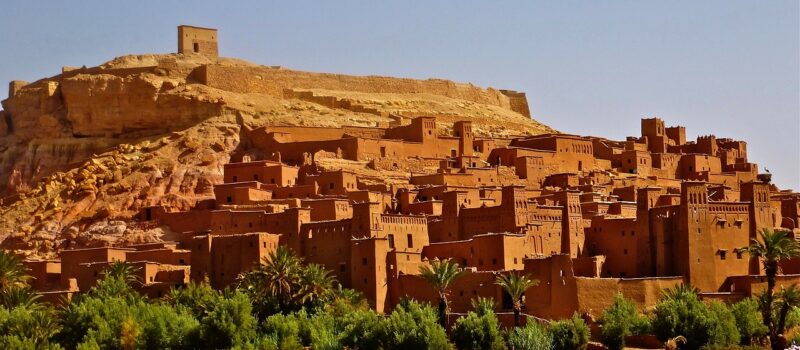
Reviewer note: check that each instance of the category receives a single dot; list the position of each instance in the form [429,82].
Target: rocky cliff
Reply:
[82,152]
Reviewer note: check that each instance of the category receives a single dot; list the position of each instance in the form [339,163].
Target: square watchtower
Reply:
[197,40]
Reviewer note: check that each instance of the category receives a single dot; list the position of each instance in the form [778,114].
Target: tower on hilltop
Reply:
[197,40]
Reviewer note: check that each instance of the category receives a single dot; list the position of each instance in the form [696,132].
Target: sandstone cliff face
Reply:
[81,153]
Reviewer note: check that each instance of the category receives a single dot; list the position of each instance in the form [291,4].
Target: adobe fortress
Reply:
[194,166]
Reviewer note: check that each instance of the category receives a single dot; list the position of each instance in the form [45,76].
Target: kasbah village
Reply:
[191,168]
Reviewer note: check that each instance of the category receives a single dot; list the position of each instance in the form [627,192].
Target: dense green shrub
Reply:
[748,320]
[793,318]
[318,331]
[284,330]
[27,328]
[483,306]
[413,326]
[360,329]
[478,331]
[113,323]
[685,315]
[621,320]
[230,323]
[724,331]
[534,336]
[199,298]
[570,334]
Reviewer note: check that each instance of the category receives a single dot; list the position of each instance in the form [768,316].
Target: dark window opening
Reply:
[196,47]
[410,240]
[507,301]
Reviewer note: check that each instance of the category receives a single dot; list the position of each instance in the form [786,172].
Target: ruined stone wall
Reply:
[518,102]
[273,82]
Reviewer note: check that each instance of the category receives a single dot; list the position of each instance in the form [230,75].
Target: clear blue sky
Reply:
[589,67]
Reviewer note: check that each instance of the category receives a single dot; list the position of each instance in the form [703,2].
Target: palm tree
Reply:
[278,277]
[678,292]
[789,298]
[773,247]
[122,271]
[483,306]
[282,273]
[20,297]
[315,283]
[440,274]
[12,272]
[515,285]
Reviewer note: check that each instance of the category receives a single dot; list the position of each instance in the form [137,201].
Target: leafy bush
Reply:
[413,326]
[748,320]
[360,329]
[620,320]
[475,331]
[570,334]
[27,328]
[284,330]
[533,336]
[317,331]
[723,331]
[483,306]
[230,323]
[112,323]
[684,314]
[793,318]
[199,298]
